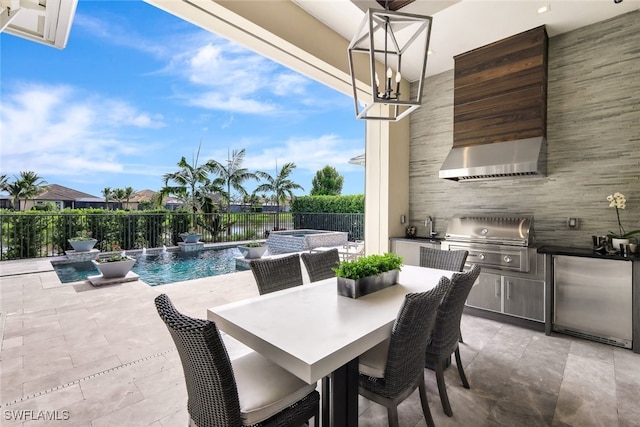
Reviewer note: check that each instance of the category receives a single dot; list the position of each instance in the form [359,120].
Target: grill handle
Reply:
[508,289]
[497,288]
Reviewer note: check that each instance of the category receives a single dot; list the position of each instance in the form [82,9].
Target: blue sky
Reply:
[137,88]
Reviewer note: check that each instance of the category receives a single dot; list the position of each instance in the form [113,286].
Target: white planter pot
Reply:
[190,238]
[366,285]
[114,269]
[615,243]
[83,245]
[252,252]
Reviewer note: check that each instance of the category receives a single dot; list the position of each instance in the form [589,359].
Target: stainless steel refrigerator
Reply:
[593,298]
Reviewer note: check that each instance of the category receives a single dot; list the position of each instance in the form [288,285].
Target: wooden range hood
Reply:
[500,105]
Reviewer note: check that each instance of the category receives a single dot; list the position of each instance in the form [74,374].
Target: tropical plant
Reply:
[232,176]
[25,187]
[327,182]
[129,192]
[106,193]
[118,195]
[4,181]
[191,182]
[280,186]
[371,265]
[214,222]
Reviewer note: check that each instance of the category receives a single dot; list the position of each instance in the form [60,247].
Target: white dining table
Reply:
[313,332]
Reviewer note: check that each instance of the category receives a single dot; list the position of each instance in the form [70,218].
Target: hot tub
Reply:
[281,242]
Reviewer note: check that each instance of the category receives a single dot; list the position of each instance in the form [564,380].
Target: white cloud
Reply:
[309,154]
[57,130]
[288,84]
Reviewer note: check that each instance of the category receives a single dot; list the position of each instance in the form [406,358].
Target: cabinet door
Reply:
[409,251]
[486,292]
[524,298]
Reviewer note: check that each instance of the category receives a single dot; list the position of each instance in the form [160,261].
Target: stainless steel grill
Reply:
[493,241]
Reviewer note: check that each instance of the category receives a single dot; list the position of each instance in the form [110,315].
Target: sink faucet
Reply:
[429,224]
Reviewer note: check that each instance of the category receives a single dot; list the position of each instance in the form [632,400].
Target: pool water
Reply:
[160,269]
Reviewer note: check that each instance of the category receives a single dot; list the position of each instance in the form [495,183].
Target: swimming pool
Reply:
[163,268]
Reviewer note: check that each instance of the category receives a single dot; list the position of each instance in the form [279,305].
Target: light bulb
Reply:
[398,77]
[389,73]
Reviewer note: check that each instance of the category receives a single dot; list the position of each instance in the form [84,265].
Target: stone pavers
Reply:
[102,357]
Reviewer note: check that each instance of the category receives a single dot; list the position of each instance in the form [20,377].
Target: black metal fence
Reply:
[36,234]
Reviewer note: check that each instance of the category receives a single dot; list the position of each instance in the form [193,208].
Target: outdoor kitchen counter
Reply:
[551,251]
[584,252]
[409,248]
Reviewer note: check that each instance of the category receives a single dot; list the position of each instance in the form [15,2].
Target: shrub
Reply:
[368,266]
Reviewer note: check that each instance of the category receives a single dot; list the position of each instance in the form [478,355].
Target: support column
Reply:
[386,182]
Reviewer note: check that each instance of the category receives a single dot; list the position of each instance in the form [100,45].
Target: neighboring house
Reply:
[63,197]
[170,203]
[5,202]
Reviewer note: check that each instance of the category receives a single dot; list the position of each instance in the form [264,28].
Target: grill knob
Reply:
[481,257]
[507,258]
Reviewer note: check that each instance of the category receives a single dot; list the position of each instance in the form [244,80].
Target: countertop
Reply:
[420,239]
[584,252]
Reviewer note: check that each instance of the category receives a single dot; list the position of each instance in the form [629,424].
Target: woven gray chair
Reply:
[319,264]
[446,332]
[277,273]
[248,391]
[443,260]
[391,371]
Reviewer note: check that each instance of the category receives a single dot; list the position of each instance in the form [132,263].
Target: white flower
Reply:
[617,201]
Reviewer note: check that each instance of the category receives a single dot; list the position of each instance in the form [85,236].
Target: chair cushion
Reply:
[264,388]
[374,361]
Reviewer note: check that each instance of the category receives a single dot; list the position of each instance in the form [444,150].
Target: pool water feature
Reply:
[286,241]
[162,268]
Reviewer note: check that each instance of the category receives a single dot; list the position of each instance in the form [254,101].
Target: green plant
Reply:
[113,258]
[82,235]
[368,266]
[190,232]
[254,244]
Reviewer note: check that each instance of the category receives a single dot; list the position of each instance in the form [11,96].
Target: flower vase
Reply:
[615,243]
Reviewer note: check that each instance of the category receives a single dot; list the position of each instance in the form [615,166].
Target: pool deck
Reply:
[101,356]
[100,353]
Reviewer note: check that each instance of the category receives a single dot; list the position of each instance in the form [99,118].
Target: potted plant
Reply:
[83,241]
[191,236]
[253,250]
[114,265]
[367,274]
[619,201]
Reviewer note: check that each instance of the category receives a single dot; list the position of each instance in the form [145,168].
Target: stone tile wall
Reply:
[593,137]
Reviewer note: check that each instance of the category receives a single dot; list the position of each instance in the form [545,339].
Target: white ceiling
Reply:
[44,21]
[463,25]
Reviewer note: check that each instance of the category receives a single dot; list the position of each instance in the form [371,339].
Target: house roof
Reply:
[143,196]
[149,195]
[58,192]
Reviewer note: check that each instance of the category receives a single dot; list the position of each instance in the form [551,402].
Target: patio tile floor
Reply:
[102,357]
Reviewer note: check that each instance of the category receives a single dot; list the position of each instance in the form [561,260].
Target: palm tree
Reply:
[128,194]
[281,186]
[4,182]
[106,193]
[232,176]
[16,193]
[118,195]
[191,181]
[26,186]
